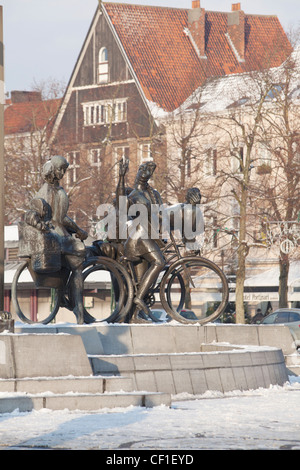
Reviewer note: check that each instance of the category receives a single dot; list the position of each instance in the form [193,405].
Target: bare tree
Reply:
[281,135]
[240,125]
[25,154]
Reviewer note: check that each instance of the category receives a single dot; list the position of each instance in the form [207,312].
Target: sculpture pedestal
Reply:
[7,325]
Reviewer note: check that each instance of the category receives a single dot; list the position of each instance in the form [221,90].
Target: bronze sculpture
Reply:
[133,259]
[48,230]
[144,249]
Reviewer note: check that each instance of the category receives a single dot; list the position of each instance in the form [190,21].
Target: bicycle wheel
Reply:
[108,290]
[44,302]
[205,291]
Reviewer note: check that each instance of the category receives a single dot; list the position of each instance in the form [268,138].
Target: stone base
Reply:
[7,325]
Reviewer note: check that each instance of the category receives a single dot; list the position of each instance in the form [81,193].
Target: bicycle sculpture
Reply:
[127,275]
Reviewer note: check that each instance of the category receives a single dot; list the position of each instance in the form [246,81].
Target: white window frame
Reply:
[103,69]
[73,158]
[95,158]
[145,152]
[264,155]
[210,162]
[119,152]
[105,112]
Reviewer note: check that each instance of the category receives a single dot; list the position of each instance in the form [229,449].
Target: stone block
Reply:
[153,339]
[146,381]
[251,378]
[213,380]
[258,357]
[7,385]
[152,362]
[188,338]
[240,359]
[164,381]
[186,361]
[210,334]
[240,375]
[237,334]
[182,381]
[21,403]
[227,379]
[259,377]
[89,335]
[157,399]
[216,360]
[198,380]
[104,365]
[37,355]
[278,336]
[7,365]
[117,384]
[115,339]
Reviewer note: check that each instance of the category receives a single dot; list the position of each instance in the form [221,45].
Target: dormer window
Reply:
[103,66]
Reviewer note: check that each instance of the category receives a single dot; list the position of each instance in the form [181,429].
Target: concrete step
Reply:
[60,385]
[293,363]
[79,401]
[221,367]
[292,359]
[294,370]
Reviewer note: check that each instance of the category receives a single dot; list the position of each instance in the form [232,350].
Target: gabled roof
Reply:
[165,60]
[29,116]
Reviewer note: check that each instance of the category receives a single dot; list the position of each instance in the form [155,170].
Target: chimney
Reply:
[235,7]
[236,31]
[25,96]
[196,27]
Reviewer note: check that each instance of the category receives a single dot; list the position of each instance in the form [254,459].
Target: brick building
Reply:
[137,61]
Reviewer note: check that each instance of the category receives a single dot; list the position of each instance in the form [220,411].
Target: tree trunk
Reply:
[284,264]
[239,290]
[241,255]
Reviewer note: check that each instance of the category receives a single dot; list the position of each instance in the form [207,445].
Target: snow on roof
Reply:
[237,90]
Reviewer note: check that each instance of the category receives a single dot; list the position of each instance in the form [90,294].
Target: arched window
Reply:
[103,66]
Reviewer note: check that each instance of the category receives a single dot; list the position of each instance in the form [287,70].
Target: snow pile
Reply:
[257,419]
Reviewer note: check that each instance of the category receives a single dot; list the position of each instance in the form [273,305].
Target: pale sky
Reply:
[43,38]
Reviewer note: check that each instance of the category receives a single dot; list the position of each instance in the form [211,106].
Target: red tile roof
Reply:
[29,116]
[165,60]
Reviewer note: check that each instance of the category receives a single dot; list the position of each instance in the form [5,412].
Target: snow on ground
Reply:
[254,420]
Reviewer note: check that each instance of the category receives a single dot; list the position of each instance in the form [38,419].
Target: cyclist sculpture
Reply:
[137,269]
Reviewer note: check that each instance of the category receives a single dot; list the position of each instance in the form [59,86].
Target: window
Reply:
[274,92]
[237,154]
[95,158]
[210,162]
[145,152]
[119,153]
[105,112]
[188,163]
[264,155]
[103,66]
[73,169]
[294,317]
[264,160]
[282,317]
